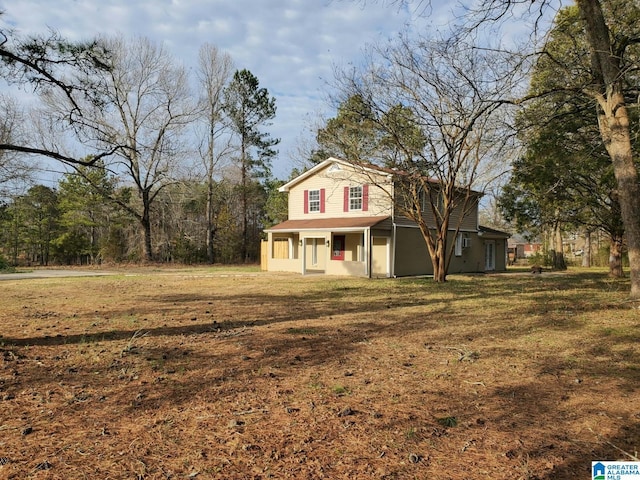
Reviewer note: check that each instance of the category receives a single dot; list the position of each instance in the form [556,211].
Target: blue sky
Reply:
[292,46]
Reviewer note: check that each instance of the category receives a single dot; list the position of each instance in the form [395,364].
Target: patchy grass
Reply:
[205,373]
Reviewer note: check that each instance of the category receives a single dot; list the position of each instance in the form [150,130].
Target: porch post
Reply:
[367,248]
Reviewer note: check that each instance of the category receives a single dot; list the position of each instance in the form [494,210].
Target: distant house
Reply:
[519,248]
[343,220]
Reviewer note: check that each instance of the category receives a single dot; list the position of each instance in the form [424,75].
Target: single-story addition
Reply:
[343,221]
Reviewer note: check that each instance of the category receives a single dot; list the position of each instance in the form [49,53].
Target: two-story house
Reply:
[344,220]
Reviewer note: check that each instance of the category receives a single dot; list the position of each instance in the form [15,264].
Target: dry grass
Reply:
[204,374]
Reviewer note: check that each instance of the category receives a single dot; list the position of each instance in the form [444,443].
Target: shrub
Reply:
[541,259]
[4,266]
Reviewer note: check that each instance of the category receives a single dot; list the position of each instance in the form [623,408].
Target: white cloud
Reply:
[290,45]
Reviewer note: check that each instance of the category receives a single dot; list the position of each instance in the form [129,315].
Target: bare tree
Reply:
[610,37]
[52,64]
[607,89]
[14,172]
[215,69]
[435,103]
[143,104]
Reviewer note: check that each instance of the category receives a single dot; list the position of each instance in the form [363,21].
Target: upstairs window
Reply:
[314,201]
[430,197]
[355,198]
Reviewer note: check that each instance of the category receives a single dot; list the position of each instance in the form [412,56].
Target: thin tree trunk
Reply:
[245,208]
[210,229]
[210,214]
[586,251]
[244,202]
[145,220]
[16,238]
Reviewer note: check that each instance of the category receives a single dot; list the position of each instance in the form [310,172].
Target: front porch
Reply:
[341,250]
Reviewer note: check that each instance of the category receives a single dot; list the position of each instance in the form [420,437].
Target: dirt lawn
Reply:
[241,375]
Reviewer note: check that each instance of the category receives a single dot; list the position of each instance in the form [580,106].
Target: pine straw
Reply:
[202,375]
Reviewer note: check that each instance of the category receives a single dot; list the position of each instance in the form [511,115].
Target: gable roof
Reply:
[367,168]
[492,232]
[329,161]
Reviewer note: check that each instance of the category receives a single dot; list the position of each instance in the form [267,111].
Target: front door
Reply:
[314,259]
[337,249]
[489,255]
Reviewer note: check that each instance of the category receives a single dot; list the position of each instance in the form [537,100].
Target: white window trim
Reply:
[353,198]
[316,203]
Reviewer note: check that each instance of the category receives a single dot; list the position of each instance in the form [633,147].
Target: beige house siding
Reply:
[354,247]
[274,261]
[355,269]
[469,220]
[501,255]
[381,253]
[333,182]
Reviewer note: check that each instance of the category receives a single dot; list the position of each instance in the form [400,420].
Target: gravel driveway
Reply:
[53,274]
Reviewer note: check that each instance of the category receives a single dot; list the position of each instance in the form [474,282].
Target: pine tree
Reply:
[250,108]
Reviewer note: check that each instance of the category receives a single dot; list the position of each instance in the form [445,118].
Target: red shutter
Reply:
[346,199]
[322,196]
[306,201]
[365,197]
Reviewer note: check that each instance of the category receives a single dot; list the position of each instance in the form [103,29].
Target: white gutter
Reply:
[341,229]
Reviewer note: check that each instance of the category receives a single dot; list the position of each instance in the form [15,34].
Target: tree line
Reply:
[75,224]
[165,162]
[568,178]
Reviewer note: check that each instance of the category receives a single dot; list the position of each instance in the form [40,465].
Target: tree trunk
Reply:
[436,249]
[15,244]
[614,128]
[613,119]
[245,167]
[586,251]
[615,257]
[558,258]
[145,220]
[210,229]
[438,262]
